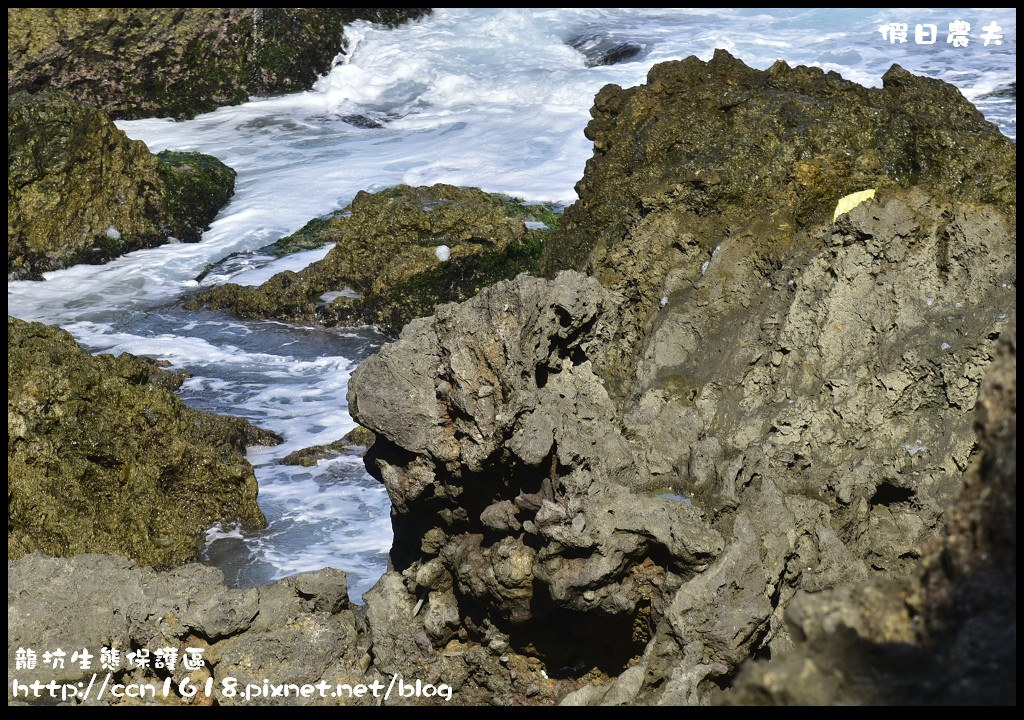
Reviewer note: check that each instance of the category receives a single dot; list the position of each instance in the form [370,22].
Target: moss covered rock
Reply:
[398,253]
[706,152]
[79,190]
[359,437]
[177,62]
[102,456]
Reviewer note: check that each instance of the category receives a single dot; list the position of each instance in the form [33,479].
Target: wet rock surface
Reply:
[398,254]
[177,62]
[102,456]
[358,439]
[599,49]
[80,191]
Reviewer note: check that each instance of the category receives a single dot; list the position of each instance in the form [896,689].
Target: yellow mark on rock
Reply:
[849,202]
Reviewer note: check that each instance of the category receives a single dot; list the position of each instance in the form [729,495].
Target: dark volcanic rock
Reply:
[78,190]
[600,50]
[385,268]
[807,384]
[706,152]
[102,456]
[299,630]
[945,636]
[516,498]
[177,62]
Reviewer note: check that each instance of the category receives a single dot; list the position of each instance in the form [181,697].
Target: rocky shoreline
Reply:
[80,191]
[885,641]
[102,456]
[177,62]
[715,445]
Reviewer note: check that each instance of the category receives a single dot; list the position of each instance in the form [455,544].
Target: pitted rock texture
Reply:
[743,399]
[707,152]
[947,634]
[102,456]
[300,630]
[515,494]
[617,487]
[177,62]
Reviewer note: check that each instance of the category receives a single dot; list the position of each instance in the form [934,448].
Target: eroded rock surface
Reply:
[80,191]
[742,400]
[177,62]
[102,456]
[947,634]
[398,253]
[612,486]
[300,630]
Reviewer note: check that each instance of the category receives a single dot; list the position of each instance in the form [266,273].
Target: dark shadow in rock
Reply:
[572,644]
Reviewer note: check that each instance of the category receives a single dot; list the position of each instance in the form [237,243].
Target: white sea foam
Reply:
[295,262]
[491,98]
[345,292]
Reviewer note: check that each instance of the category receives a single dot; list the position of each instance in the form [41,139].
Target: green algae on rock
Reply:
[196,187]
[783,144]
[177,62]
[102,456]
[359,437]
[79,190]
[398,253]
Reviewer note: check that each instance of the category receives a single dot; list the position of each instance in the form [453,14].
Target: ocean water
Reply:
[491,98]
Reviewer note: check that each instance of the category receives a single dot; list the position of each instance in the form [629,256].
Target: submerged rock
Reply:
[398,254]
[177,62]
[946,635]
[79,190]
[807,385]
[360,438]
[599,49]
[102,456]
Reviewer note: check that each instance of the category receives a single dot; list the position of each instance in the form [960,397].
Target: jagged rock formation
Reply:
[80,191]
[511,482]
[947,635]
[611,487]
[807,386]
[398,253]
[708,152]
[177,62]
[102,456]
